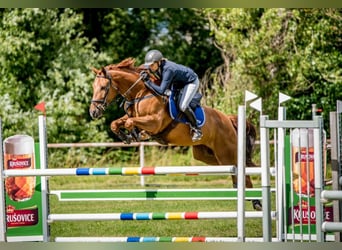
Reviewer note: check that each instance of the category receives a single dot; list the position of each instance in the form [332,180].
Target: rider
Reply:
[178,76]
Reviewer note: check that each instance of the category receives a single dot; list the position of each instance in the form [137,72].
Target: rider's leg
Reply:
[196,131]
[189,92]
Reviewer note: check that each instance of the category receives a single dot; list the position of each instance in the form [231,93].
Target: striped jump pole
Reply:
[152,216]
[152,239]
[126,171]
[193,170]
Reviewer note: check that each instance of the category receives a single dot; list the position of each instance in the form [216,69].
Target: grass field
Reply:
[186,228]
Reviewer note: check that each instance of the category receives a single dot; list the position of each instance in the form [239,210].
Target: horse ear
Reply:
[96,71]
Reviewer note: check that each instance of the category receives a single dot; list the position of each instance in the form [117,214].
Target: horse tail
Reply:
[250,139]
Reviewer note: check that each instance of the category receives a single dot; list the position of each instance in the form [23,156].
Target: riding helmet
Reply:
[152,56]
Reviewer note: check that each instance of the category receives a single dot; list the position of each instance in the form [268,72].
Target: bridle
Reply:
[102,104]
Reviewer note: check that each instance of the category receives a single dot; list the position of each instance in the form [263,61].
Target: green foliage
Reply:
[126,32]
[45,57]
[184,37]
[226,97]
[181,34]
[294,51]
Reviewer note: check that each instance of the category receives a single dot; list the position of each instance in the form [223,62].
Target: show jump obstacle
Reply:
[298,171]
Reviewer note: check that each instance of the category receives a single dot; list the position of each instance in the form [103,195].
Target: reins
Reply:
[130,88]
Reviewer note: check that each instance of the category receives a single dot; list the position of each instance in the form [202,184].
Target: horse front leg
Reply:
[150,124]
[117,127]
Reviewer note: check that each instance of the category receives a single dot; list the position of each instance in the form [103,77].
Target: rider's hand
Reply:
[144,76]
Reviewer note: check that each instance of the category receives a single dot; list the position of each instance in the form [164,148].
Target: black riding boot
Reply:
[196,131]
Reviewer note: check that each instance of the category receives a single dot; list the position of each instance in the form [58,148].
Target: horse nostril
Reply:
[92,113]
[95,113]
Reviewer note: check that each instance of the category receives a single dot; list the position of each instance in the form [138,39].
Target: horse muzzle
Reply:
[96,110]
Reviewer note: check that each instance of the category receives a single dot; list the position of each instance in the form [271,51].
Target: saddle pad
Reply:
[174,112]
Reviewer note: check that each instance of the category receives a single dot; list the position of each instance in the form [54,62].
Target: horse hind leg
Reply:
[256,203]
[249,163]
[249,184]
[250,140]
[204,154]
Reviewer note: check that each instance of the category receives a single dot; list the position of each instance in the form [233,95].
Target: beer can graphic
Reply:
[303,162]
[19,154]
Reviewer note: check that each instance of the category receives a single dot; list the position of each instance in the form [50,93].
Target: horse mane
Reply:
[127,63]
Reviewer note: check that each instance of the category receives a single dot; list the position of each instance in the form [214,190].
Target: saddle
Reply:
[194,105]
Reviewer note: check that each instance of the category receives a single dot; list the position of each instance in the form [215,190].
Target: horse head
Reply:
[104,92]
[116,79]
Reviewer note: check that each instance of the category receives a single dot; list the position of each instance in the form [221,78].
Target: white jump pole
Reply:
[265,180]
[280,177]
[331,194]
[332,226]
[43,166]
[142,162]
[265,172]
[280,167]
[318,142]
[241,151]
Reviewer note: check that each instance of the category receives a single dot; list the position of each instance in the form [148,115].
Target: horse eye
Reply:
[103,87]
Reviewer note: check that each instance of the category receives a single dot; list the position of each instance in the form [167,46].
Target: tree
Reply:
[183,35]
[295,51]
[45,57]
[121,33]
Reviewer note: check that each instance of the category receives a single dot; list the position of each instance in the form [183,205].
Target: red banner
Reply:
[22,217]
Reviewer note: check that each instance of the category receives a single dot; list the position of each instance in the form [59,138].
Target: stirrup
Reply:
[197,135]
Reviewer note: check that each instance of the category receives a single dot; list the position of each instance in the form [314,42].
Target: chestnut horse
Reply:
[148,112]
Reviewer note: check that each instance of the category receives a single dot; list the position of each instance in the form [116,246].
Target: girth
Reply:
[128,104]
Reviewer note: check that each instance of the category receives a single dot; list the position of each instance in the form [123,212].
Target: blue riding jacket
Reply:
[172,74]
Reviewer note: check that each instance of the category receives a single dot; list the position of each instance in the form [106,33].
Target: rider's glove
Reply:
[144,76]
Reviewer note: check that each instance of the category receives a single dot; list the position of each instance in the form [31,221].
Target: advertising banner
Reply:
[300,183]
[23,194]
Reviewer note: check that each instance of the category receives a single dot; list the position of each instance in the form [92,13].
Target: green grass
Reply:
[186,228]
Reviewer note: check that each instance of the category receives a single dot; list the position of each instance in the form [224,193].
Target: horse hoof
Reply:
[125,139]
[135,135]
[257,205]
[128,140]
[144,136]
